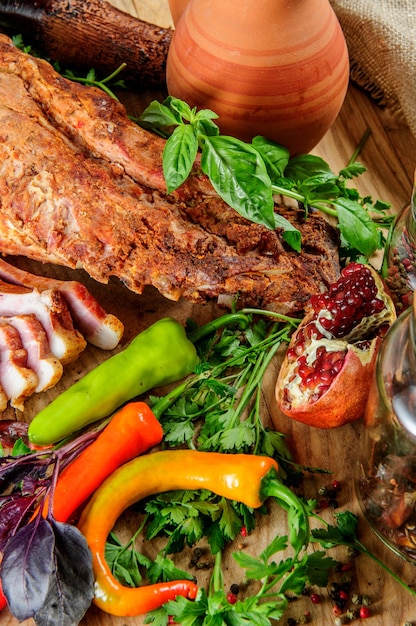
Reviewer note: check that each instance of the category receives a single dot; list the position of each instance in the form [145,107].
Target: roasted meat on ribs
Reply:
[81,186]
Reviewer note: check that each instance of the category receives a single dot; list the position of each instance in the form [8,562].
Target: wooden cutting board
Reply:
[390,157]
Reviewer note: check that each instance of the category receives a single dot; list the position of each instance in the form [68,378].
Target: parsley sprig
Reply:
[219,407]
[248,176]
[345,533]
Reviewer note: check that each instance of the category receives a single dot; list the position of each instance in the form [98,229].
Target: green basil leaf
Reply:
[206,114]
[180,109]
[275,157]
[291,235]
[357,227]
[306,165]
[319,180]
[159,116]
[239,175]
[179,155]
[205,127]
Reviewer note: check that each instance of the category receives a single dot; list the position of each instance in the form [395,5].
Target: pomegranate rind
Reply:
[346,398]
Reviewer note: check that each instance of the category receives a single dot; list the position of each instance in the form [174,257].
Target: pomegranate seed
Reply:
[364,612]
[231,598]
[315,598]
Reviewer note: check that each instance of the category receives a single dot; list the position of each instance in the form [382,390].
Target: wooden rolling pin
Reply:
[91,34]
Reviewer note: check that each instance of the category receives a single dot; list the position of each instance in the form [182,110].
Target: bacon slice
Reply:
[17,379]
[66,343]
[4,400]
[99,328]
[40,359]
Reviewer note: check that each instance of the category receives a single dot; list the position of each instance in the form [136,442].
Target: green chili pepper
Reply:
[160,355]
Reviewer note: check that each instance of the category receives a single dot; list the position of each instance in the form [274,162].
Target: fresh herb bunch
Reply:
[248,175]
[219,407]
[277,580]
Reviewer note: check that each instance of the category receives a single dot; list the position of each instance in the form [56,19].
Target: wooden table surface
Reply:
[390,157]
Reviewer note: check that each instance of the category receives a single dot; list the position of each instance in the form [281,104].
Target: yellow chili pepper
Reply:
[245,478]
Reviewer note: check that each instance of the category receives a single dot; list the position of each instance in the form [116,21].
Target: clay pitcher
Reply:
[277,68]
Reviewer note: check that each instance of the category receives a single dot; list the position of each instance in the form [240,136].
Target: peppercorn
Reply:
[356,598]
[351,551]
[353,613]
[291,622]
[366,600]
[343,595]
[346,567]
[235,589]
[364,612]
[315,598]
[331,493]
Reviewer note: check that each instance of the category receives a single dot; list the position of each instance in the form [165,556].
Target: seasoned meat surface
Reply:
[82,186]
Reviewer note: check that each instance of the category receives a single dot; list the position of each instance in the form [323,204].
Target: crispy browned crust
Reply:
[82,186]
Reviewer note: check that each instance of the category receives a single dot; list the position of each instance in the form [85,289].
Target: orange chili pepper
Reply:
[131,431]
[245,478]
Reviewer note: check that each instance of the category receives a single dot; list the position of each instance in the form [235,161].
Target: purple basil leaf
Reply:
[27,566]
[11,431]
[72,583]
[13,510]
[15,469]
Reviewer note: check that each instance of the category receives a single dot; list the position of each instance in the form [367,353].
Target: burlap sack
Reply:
[381,39]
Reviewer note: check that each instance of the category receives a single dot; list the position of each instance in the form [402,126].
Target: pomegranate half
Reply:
[325,377]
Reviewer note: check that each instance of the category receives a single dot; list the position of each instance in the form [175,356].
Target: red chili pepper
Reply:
[131,431]
[3,601]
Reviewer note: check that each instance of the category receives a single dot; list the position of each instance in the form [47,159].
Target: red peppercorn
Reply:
[346,567]
[243,531]
[231,598]
[337,610]
[343,595]
[365,612]
[315,598]
[336,485]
